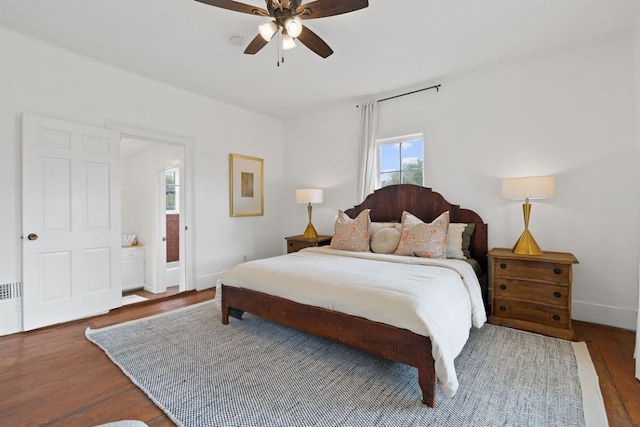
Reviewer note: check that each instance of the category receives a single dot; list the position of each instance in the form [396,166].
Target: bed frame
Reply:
[393,343]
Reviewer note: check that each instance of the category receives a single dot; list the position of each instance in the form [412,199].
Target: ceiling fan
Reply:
[287,16]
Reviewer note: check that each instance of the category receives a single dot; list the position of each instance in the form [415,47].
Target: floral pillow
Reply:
[421,239]
[351,234]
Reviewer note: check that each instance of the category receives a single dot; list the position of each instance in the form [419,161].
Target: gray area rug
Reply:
[257,373]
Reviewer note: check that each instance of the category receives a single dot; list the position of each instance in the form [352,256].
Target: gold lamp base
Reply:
[526,245]
[310,232]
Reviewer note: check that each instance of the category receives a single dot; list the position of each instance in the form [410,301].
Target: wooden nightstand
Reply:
[295,243]
[532,292]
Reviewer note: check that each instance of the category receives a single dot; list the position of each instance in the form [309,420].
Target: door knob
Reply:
[164,239]
[32,236]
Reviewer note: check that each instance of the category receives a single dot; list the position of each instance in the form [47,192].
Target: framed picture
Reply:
[246,185]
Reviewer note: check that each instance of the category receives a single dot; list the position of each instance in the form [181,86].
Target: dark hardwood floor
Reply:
[55,377]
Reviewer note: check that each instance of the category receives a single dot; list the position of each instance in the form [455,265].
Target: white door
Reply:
[160,268]
[70,219]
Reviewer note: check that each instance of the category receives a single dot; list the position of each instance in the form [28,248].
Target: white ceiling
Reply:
[389,46]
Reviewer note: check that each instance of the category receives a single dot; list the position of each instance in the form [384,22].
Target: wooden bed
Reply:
[400,345]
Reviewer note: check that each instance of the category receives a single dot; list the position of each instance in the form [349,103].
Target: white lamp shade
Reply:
[267,30]
[309,195]
[287,42]
[531,187]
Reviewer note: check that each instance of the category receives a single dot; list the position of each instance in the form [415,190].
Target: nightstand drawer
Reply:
[544,271]
[530,312]
[557,295]
[296,245]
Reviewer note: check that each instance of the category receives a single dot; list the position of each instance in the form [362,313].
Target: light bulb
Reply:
[293,26]
[268,30]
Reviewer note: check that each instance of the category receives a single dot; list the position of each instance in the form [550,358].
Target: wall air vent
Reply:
[10,308]
[10,291]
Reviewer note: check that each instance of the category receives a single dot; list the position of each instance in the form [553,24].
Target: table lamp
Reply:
[308,196]
[533,187]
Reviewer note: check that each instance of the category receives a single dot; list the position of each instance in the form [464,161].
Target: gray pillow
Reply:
[466,238]
[385,241]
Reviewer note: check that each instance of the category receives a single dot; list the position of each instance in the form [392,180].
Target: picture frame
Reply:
[246,185]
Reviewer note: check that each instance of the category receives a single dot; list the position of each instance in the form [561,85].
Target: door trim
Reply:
[188,191]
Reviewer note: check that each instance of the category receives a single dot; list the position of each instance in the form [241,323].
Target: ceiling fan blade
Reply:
[324,8]
[235,6]
[256,44]
[314,42]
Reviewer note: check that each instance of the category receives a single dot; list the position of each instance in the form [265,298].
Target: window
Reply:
[400,160]
[172,180]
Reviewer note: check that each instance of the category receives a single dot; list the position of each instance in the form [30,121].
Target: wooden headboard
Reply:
[387,204]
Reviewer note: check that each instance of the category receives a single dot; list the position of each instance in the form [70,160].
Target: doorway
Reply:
[147,155]
[151,207]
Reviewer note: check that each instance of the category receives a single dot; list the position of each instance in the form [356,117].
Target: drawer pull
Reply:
[557,271]
[503,266]
[556,317]
[557,294]
[503,308]
[503,287]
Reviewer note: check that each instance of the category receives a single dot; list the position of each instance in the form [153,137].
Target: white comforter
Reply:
[437,298]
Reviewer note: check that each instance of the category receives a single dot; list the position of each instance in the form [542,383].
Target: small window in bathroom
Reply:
[172,179]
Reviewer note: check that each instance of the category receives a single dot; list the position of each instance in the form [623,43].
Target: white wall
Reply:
[126,194]
[570,114]
[321,152]
[40,79]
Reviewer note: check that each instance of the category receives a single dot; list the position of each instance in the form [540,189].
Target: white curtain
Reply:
[368,153]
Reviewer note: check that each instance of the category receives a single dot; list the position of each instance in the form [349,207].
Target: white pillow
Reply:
[454,241]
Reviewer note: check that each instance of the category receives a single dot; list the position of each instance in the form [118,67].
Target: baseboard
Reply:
[10,316]
[619,317]
[208,280]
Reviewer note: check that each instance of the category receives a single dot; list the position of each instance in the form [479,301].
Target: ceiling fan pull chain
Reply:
[282,45]
[279,48]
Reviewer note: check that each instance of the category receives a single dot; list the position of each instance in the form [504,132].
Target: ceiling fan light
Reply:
[287,42]
[268,30]
[293,26]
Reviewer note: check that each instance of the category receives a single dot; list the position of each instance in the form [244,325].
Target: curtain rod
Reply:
[436,87]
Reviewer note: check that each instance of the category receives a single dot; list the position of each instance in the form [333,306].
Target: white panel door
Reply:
[159,261]
[70,219]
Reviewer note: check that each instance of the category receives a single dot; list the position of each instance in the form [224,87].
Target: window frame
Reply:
[176,187]
[397,138]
